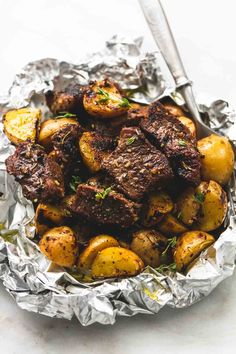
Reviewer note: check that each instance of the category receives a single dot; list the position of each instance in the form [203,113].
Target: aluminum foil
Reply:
[26,273]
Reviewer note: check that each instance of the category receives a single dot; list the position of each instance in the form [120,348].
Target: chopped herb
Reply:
[103,195]
[106,95]
[75,181]
[130,140]
[125,103]
[66,115]
[170,243]
[182,142]
[165,268]
[199,197]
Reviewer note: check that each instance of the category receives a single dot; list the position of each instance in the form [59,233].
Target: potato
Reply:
[116,262]
[60,246]
[170,225]
[159,204]
[174,109]
[149,245]
[46,216]
[213,208]
[96,244]
[93,149]
[217,158]
[22,124]
[189,124]
[104,100]
[189,245]
[50,127]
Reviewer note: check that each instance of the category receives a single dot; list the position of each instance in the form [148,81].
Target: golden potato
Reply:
[46,216]
[50,127]
[60,246]
[159,204]
[149,245]
[104,100]
[217,158]
[189,245]
[22,124]
[96,244]
[189,124]
[170,225]
[213,208]
[174,109]
[94,148]
[115,262]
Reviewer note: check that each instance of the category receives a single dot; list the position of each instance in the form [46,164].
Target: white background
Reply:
[68,29]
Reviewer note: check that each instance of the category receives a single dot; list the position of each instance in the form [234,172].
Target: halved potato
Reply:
[116,262]
[213,208]
[50,127]
[217,158]
[159,204]
[96,244]
[149,245]
[105,100]
[189,124]
[174,109]
[60,246]
[46,216]
[170,225]
[22,124]
[93,149]
[189,245]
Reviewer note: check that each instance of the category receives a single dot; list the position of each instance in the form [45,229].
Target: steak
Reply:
[105,206]
[135,165]
[39,175]
[175,140]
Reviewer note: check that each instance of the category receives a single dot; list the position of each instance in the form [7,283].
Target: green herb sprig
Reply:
[66,115]
[170,244]
[102,195]
[125,103]
[182,142]
[106,95]
[131,140]
[166,268]
[199,197]
[75,181]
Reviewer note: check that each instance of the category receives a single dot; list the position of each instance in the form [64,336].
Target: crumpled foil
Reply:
[25,272]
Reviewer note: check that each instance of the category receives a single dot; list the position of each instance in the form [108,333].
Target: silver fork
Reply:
[162,34]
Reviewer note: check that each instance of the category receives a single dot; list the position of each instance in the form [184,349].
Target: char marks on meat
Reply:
[39,175]
[135,165]
[175,140]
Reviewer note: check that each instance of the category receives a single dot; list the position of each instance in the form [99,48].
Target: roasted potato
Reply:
[213,208]
[188,124]
[96,244]
[105,100]
[174,109]
[149,245]
[115,262]
[22,124]
[189,245]
[60,246]
[93,148]
[170,225]
[50,127]
[47,216]
[217,158]
[159,204]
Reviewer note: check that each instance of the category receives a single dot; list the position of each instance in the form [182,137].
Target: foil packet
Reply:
[25,271]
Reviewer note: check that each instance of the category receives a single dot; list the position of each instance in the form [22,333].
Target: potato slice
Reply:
[60,246]
[116,262]
[213,208]
[174,109]
[94,148]
[50,127]
[46,216]
[22,124]
[217,158]
[104,100]
[189,245]
[159,204]
[96,244]
[188,124]
[170,225]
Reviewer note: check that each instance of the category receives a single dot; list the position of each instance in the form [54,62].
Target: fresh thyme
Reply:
[130,140]
[75,181]
[125,103]
[102,195]
[165,268]
[105,95]
[199,197]
[170,243]
[182,142]
[66,115]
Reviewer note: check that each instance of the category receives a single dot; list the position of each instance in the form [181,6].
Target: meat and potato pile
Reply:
[118,186]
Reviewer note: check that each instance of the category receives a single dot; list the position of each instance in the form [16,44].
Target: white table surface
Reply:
[205,32]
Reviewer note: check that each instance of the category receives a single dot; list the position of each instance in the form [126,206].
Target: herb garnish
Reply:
[130,140]
[75,181]
[199,197]
[65,115]
[165,268]
[103,195]
[170,243]
[106,95]
[182,142]
[124,103]
[179,216]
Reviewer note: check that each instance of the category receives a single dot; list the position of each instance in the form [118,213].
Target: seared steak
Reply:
[135,165]
[175,140]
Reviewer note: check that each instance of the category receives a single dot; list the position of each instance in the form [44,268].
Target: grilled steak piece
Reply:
[175,140]
[39,175]
[135,165]
[105,206]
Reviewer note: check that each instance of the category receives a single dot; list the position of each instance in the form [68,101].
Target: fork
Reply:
[162,34]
